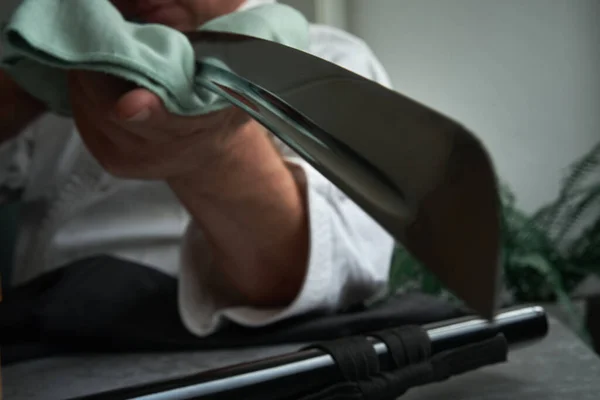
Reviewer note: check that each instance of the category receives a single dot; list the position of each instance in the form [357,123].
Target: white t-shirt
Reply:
[73,209]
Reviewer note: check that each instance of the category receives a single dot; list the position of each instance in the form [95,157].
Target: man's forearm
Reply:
[252,211]
[17,108]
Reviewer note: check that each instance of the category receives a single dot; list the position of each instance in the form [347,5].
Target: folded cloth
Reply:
[46,38]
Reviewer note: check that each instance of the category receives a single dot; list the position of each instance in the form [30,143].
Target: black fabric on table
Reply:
[105,304]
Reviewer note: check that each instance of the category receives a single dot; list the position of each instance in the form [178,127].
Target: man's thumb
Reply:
[138,105]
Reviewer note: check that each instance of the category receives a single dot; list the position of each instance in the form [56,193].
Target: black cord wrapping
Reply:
[413,363]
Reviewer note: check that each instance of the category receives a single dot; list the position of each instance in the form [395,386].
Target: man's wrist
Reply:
[253,213]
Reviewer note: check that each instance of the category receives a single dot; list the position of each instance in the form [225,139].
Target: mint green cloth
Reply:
[45,38]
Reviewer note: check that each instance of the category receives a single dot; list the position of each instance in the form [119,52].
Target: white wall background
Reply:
[523,74]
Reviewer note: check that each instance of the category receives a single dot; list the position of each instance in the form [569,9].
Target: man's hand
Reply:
[133,136]
[225,171]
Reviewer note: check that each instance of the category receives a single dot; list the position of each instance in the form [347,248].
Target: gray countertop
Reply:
[559,367]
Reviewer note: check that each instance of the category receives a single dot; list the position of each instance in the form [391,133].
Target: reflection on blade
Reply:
[420,175]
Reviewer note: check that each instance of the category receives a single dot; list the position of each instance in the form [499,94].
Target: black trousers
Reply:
[104,304]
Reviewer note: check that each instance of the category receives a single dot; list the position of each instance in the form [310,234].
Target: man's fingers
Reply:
[141,112]
[99,88]
[144,113]
[138,105]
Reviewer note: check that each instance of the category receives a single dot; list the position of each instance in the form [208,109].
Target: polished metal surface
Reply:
[422,176]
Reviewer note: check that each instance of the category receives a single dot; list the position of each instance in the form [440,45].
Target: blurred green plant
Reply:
[545,254]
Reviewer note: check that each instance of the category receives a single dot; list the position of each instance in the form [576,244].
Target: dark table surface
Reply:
[559,367]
